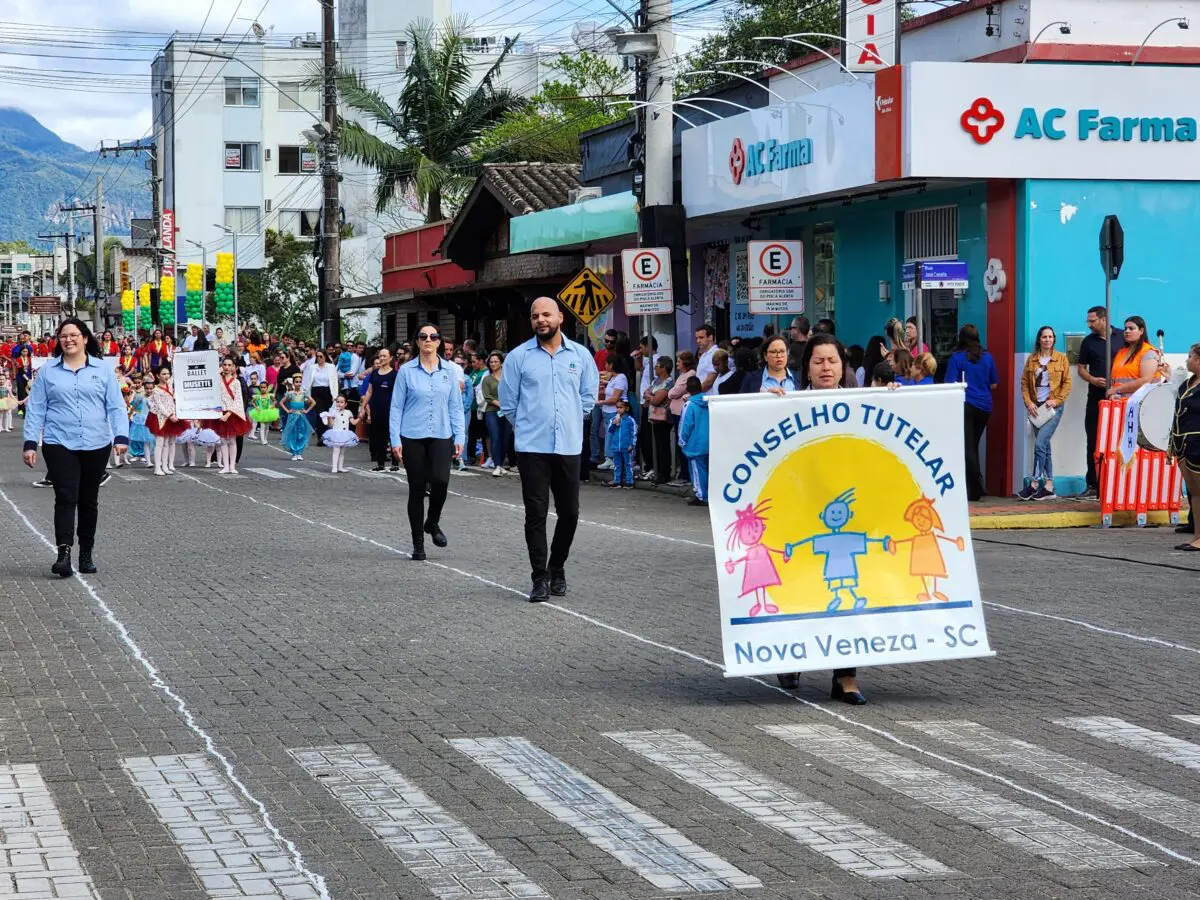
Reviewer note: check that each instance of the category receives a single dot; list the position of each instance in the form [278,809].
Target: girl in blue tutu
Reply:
[141,441]
[298,428]
[339,435]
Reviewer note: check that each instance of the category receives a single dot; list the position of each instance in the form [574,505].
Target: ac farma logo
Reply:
[737,160]
[982,121]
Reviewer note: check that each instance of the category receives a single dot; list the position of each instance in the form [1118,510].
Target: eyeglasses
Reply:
[428,336]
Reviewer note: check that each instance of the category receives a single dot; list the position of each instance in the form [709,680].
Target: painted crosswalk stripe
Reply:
[37,858]
[230,850]
[1134,737]
[1070,774]
[1191,720]
[436,847]
[269,473]
[652,849]
[1030,830]
[852,844]
[311,473]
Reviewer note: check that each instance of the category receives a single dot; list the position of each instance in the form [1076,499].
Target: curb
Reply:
[1061,520]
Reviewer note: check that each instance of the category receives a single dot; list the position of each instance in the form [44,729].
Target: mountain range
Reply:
[39,172]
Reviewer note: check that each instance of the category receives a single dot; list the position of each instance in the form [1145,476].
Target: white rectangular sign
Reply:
[646,274]
[871,563]
[966,120]
[872,32]
[196,378]
[820,144]
[776,270]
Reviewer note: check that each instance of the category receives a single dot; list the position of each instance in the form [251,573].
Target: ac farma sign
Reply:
[983,121]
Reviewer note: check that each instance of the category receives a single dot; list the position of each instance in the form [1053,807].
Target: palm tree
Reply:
[439,116]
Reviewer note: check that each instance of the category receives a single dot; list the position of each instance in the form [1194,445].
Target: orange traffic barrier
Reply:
[1148,484]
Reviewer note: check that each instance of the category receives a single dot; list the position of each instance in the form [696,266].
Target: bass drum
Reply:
[1154,417]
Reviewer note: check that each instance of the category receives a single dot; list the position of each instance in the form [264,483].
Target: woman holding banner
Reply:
[163,423]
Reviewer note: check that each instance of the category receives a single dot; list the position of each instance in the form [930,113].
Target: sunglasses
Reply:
[427,336]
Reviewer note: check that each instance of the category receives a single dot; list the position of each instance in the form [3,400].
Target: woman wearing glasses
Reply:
[427,432]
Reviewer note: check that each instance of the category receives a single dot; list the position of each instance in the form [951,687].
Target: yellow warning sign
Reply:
[586,296]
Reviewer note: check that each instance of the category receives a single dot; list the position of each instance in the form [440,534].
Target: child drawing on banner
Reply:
[840,549]
[747,531]
[926,562]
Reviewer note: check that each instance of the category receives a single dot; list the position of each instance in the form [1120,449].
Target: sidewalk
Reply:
[989,514]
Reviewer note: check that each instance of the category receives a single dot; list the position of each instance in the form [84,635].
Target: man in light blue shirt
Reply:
[549,385]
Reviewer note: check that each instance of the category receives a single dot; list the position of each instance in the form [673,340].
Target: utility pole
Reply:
[98,230]
[156,180]
[659,222]
[81,208]
[331,227]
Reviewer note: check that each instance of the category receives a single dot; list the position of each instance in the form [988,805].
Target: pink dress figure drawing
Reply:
[760,573]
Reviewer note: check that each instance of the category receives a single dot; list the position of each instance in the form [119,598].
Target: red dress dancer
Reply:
[233,422]
[163,424]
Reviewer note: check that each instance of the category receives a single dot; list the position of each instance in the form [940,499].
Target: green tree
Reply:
[750,19]
[19,247]
[548,129]
[441,113]
[283,296]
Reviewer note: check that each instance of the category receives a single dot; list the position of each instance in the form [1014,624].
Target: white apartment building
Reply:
[230,133]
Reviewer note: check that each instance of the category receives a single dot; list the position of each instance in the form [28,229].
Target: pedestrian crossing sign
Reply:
[587,296]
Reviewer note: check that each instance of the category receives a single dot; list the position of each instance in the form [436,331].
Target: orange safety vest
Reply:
[1126,368]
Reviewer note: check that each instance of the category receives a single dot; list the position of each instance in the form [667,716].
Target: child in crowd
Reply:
[338,436]
[209,440]
[923,368]
[297,404]
[8,402]
[141,441]
[263,411]
[693,438]
[622,437]
[187,440]
[883,375]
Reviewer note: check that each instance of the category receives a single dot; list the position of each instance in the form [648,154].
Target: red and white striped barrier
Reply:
[1148,484]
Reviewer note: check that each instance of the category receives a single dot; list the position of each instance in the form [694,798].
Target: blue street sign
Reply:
[908,275]
[950,274]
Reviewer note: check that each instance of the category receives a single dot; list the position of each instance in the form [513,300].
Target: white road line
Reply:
[652,849]
[311,473]
[1069,774]
[37,858]
[129,477]
[270,473]
[852,844]
[1134,737]
[181,706]
[818,708]
[1093,627]
[1191,720]
[1030,830]
[226,846]
[437,848]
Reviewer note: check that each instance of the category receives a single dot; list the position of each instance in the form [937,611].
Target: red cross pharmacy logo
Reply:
[982,121]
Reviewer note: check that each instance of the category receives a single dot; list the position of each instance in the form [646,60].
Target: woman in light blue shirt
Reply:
[75,410]
[427,431]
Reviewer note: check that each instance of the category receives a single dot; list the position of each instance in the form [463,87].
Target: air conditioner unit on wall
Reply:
[579,194]
[267,205]
[267,154]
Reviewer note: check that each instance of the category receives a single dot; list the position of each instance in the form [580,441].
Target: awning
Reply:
[574,225]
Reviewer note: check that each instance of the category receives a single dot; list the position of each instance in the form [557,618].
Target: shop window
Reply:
[824,281]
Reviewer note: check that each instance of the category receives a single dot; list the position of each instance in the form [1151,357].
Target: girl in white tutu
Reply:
[339,435]
[209,440]
[8,402]
[187,440]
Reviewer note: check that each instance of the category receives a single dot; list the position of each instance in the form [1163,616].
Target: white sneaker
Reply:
[489,464]
[606,466]
[294,458]
[498,471]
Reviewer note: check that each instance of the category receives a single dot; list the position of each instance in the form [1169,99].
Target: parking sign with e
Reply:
[646,274]
[776,277]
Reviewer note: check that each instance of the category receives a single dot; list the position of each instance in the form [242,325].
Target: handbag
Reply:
[1043,418]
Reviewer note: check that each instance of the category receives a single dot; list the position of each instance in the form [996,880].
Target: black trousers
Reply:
[1091,425]
[645,440]
[476,433]
[76,476]
[974,422]
[544,474]
[427,463]
[661,432]
[323,398]
[378,437]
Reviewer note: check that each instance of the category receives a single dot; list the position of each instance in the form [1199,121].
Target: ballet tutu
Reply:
[264,416]
[233,427]
[339,437]
[296,433]
[7,403]
[167,429]
[189,436]
[139,433]
[206,437]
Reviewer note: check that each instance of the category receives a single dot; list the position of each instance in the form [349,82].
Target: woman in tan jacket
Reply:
[1045,384]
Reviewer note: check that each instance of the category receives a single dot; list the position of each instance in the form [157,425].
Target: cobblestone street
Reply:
[261,696]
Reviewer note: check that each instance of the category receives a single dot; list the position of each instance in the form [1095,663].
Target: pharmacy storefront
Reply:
[1007,171]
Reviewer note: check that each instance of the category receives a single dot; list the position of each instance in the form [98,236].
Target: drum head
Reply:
[1154,417]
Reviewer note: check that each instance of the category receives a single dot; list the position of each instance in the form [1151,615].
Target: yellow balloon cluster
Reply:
[144,297]
[194,277]
[166,288]
[127,301]
[223,295]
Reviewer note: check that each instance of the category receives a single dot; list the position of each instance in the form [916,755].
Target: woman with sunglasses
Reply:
[427,431]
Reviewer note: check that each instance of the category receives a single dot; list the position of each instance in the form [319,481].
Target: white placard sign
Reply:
[872,30]
[868,564]
[776,270]
[197,383]
[646,274]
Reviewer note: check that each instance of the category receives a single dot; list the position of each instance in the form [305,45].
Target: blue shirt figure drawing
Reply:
[840,548]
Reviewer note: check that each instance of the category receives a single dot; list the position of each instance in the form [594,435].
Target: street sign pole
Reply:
[920,301]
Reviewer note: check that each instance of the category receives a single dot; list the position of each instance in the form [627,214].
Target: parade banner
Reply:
[841,529]
[196,378]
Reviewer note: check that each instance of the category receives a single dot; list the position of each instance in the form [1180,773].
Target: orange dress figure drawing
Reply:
[926,562]
[760,573]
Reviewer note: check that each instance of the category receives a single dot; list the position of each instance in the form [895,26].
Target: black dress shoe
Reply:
[417,555]
[378,467]
[86,566]
[434,532]
[1183,529]
[854,698]
[540,592]
[789,681]
[558,582]
[62,565]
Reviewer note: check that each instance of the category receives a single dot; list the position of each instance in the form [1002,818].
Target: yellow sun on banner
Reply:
[831,519]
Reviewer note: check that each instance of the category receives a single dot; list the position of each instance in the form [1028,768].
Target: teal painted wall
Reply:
[869,249]
[1059,229]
